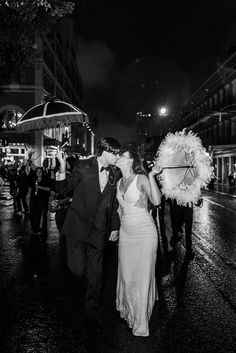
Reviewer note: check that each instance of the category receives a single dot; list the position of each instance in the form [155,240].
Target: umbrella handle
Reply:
[66,143]
[180,166]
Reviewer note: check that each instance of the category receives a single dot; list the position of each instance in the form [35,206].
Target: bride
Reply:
[136,291]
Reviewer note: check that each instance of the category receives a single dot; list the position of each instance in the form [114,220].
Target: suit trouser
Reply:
[179,215]
[89,260]
[60,218]
[162,223]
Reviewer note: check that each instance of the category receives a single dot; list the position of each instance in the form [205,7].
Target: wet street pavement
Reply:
[41,303]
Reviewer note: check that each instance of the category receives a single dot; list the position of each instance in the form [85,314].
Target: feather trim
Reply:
[197,160]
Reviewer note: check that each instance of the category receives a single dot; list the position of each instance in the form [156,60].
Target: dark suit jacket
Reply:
[92,214]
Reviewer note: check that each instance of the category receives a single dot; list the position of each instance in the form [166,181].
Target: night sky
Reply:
[132,53]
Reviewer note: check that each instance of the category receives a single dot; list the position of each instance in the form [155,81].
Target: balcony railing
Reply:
[224,74]
[192,114]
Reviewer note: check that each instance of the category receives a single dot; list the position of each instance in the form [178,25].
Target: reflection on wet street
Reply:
[41,302]
[215,242]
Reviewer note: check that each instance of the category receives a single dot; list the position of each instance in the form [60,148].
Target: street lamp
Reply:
[163,111]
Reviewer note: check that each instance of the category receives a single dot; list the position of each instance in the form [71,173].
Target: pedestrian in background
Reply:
[64,190]
[23,180]
[39,197]
[12,177]
[231,181]
[1,185]
[183,215]
[3,172]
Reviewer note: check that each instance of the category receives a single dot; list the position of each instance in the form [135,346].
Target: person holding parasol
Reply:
[186,169]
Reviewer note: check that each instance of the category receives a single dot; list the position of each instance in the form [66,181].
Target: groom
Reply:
[91,217]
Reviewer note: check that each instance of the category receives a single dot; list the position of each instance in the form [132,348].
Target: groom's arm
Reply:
[115,217]
[66,182]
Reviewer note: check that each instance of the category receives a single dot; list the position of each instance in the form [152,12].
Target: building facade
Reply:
[151,129]
[211,113]
[56,73]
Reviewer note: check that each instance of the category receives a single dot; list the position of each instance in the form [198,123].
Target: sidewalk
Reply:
[224,189]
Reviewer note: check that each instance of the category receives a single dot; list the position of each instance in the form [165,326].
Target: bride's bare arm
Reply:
[149,185]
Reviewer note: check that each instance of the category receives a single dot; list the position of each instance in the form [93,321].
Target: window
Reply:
[9,119]
[14,150]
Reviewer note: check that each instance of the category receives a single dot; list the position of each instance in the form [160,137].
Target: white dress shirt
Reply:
[103,176]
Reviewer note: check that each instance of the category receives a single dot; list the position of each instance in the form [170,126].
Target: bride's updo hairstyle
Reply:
[137,165]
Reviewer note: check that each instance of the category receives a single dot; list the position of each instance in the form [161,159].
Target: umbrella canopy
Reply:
[182,170]
[51,114]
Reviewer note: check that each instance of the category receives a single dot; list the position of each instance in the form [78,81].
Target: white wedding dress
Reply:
[136,290]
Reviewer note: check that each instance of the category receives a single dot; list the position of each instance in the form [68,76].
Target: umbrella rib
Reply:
[38,105]
[45,109]
[188,170]
[74,107]
[179,166]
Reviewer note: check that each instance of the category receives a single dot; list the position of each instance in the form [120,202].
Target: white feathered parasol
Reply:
[186,167]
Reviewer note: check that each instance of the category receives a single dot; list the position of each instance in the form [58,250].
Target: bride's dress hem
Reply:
[130,324]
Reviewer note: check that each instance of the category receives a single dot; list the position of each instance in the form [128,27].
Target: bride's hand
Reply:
[114,235]
[155,170]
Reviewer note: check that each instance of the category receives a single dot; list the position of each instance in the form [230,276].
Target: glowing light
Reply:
[163,111]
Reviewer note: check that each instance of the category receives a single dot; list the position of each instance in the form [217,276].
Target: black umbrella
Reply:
[51,114]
